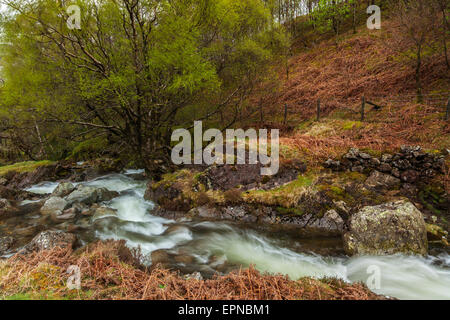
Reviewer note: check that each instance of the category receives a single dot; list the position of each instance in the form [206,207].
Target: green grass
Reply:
[286,196]
[349,125]
[19,296]
[26,166]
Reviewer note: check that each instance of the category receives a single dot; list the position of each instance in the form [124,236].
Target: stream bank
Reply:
[112,206]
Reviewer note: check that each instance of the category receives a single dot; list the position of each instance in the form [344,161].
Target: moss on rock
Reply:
[395,227]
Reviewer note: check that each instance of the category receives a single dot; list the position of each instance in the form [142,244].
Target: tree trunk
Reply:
[41,142]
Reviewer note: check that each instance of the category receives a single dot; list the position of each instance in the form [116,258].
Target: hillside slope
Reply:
[371,63]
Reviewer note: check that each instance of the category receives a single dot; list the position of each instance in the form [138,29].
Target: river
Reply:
[209,247]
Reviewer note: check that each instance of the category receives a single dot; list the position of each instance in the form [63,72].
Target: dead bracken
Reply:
[110,271]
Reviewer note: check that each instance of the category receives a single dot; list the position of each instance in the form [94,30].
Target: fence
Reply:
[441,100]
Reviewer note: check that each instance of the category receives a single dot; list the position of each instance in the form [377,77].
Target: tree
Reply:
[137,68]
[330,14]
[442,6]
[416,21]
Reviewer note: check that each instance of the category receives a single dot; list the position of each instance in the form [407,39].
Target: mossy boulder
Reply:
[21,176]
[390,228]
[168,196]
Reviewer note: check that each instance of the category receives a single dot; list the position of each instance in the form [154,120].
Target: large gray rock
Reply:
[63,189]
[83,194]
[54,205]
[90,195]
[48,240]
[395,227]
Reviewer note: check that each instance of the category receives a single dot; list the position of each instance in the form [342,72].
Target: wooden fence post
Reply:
[447,113]
[363,105]
[318,109]
[285,113]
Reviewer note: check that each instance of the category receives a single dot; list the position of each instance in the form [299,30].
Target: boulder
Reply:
[161,192]
[382,180]
[184,259]
[103,212]
[83,194]
[51,172]
[6,244]
[63,189]
[90,195]
[48,240]
[169,197]
[395,227]
[160,257]
[331,222]
[66,214]
[54,205]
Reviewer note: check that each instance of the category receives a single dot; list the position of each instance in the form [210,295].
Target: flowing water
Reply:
[211,247]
